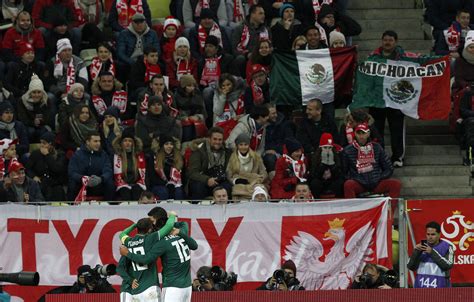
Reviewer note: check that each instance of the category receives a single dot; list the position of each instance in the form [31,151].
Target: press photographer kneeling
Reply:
[94,280]
[374,276]
[214,279]
[283,279]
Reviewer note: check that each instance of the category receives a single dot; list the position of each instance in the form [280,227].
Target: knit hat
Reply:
[284,7]
[256,68]
[336,36]
[63,44]
[35,84]
[363,127]
[181,41]
[154,99]
[15,166]
[469,39]
[326,9]
[206,13]
[165,139]
[24,47]
[242,138]
[58,20]
[75,86]
[138,17]
[170,21]
[128,132]
[7,143]
[326,140]
[292,145]
[113,111]
[6,106]
[259,190]
[187,80]
[289,264]
[213,40]
[49,137]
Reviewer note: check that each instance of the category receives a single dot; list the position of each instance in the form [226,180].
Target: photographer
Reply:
[283,279]
[214,279]
[374,276]
[90,280]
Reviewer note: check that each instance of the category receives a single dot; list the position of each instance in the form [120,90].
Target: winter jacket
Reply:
[189,105]
[57,86]
[50,169]
[382,167]
[85,162]
[344,24]
[245,125]
[284,183]
[67,105]
[232,98]
[282,39]
[29,111]
[171,72]
[19,75]
[277,132]
[30,187]
[199,162]
[23,143]
[217,6]
[225,64]
[248,96]
[13,36]
[46,11]
[113,15]
[309,132]
[137,75]
[194,42]
[253,40]
[126,43]
[463,73]
[440,13]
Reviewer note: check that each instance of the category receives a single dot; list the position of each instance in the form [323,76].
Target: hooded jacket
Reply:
[46,11]
[127,40]
[13,36]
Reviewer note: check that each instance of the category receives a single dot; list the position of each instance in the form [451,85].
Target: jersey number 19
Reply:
[182,249]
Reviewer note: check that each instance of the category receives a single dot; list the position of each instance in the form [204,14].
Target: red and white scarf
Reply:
[70,72]
[239,13]
[151,70]
[79,14]
[231,111]
[182,67]
[96,67]
[211,71]
[245,38]
[126,12]
[200,5]
[2,166]
[81,196]
[168,101]
[317,6]
[118,173]
[257,93]
[119,100]
[365,157]
[350,134]
[256,139]
[202,35]
[298,166]
[175,176]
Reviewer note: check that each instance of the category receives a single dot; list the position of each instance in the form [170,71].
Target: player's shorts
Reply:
[151,294]
[176,294]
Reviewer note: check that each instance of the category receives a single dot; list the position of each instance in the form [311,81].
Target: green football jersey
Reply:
[175,252]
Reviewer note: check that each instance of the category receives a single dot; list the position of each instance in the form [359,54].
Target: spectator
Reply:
[253,125]
[156,122]
[107,91]
[34,110]
[11,10]
[143,70]
[228,102]
[164,169]
[19,73]
[331,21]
[58,32]
[122,12]
[219,195]
[354,118]
[237,12]
[7,156]
[157,87]
[102,62]
[168,38]
[46,11]
[432,259]
[190,104]
[18,187]
[283,279]
[245,169]
[76,96]
[47,166]
[454,36]
[77,128]
[464,71]
[396,119]
[131,43]
[193,9]
[181,63]
[207,166]
[262,55]
[371,278]
[290,169]
[337,39]
[147,197]
[110,129]
[260,194]
[314,125]
[258,91]
[313,38]
[302,193]
[287,29]
[23,31]
[129,166]
[367,167]
[90,171]
[326,169]
[276,131]
[89,12]
[299,43]
[13,129]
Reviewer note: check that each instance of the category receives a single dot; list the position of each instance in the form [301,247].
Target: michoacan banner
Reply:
[326,240]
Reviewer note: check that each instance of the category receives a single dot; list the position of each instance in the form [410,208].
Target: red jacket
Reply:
[282,179]
[45,11]
[171,72]
[13,37]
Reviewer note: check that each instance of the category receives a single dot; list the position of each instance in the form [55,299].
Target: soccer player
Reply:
[140,282]
[176,260]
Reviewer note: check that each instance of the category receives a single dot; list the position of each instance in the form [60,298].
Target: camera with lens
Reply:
[218,172]
[390,278]
[365,280]
[223,281]
[280,276]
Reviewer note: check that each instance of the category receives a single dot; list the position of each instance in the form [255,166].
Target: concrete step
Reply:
[437,191]
[406,44]
[439,160]
[448,170]
[419,150]
[428,130]
[435,181]
[373,4]
[385,13]
[430,139]
[395,24]
[414,122]
[377,34]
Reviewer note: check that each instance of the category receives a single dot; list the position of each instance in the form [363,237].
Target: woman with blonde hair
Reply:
[110,129]
[245,169]
[298,42]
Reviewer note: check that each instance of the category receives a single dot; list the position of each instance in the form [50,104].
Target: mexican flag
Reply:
[300,76]
[419,87]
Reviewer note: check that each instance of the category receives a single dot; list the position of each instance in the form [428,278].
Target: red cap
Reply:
[24,47]
[258,68]
[327,140]
[363,127]
[15,166]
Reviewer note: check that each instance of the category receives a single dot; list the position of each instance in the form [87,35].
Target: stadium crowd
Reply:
[113,107]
